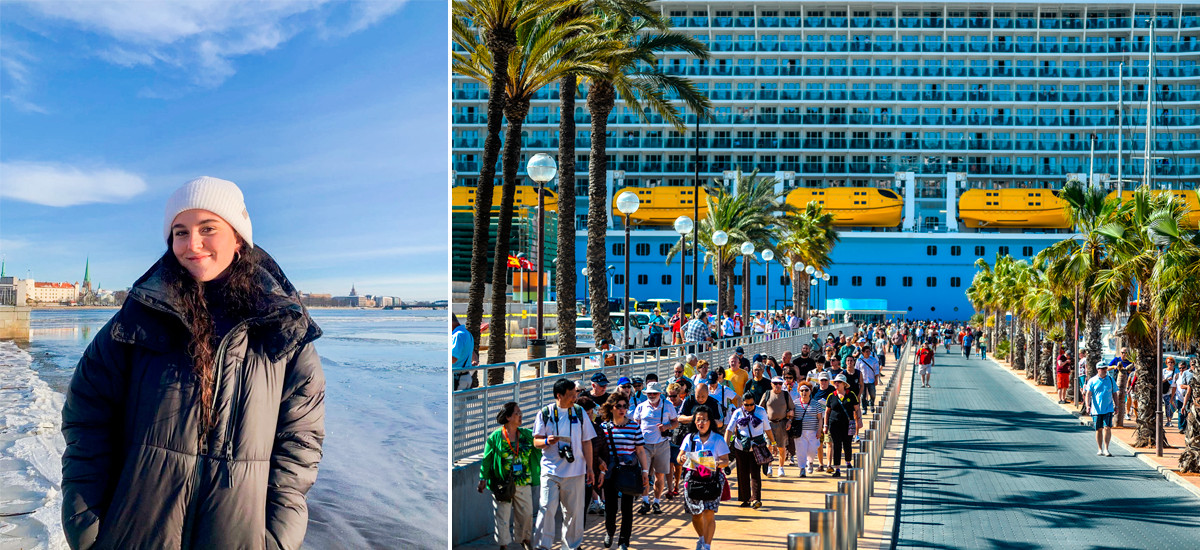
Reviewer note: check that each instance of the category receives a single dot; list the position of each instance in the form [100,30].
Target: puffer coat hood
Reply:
[135,472]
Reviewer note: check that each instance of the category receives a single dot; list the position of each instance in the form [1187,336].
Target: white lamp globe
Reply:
[683,225]
[768,255]
[719,238]
[799,266]
[787,262]
[825,276]
[812,282]
[747,248]
[541,168]
[628,202]
[809,270]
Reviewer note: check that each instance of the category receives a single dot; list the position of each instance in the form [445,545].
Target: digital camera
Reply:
[567,453]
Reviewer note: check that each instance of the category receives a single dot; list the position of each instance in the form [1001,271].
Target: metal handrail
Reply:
[473,410]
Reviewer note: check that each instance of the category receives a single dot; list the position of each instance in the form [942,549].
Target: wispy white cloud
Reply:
[199,40]
[53,184]
[16,77]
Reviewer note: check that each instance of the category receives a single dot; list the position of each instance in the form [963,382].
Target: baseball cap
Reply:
[739,350]
[624,380]
[713,377]
[777,380]
[862,340]
[600,379]
[1102,365]
[757,357]
[653,388]
[823,376]
[638,380]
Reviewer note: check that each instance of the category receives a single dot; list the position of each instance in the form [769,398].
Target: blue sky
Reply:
[331,116]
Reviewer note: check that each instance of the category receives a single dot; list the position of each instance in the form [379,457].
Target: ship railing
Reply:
[531,382]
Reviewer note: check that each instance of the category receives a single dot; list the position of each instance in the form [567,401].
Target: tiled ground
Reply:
[991,464]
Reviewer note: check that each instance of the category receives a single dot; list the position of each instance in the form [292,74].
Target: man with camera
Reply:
[564,433]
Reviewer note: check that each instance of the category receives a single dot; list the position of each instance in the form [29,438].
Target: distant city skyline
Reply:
[326,114]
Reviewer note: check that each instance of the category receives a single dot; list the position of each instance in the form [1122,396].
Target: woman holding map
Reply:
[704,455]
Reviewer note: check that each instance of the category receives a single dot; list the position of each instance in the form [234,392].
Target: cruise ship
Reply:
[936,132]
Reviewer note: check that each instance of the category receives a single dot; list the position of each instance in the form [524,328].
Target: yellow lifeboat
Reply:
[853,206]
[1032,208]
[1191,220]
[662,205]
[463,198]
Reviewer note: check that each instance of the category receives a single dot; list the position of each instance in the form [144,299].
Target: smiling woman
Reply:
[195,418]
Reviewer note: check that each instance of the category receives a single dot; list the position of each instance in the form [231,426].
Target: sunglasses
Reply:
[804,391]
[621,406]
[776,383]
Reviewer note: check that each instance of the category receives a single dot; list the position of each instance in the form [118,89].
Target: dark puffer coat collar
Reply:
[282,324]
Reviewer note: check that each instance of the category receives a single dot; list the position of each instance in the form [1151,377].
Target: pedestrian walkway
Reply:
[989,463]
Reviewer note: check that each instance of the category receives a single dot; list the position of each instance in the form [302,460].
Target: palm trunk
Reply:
[1189,461]
[799,296]
[498,342]
[730,292]
[564,283]
[1047,362]
[499,44]
[600,100]
[1017,350]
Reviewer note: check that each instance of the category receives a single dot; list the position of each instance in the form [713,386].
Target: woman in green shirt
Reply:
[510,464]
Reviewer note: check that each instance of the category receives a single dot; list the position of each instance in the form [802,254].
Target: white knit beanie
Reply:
[218,196]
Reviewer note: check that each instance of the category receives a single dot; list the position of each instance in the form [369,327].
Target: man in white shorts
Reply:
[655,416]
[925,363]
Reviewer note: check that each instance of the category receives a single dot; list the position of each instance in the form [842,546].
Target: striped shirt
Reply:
[626,439]
[806,415]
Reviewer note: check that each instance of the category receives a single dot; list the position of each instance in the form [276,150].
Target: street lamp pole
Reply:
[767,256]
[696,219]
[584,272]
[719,238]
[747,253]
[541,168]
[627,203]
[825,277]
[787,285]
[812,283]
[683,226]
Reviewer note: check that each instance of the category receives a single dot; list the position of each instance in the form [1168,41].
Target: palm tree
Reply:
[564,282]
[547,47]
[492,23]
[1144,240]
[808,238]
[630,71]
[1179,306]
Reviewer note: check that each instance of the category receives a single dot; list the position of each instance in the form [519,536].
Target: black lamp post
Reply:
[627,203]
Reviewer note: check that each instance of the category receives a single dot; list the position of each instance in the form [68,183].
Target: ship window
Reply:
[760,280]
[643,279]
[1027,251]
[783,280]
[856,281]
[712,280]
[833,281]
[618,249]
[906,281]
[642,249]
[881,281]
[930,281]
[979,251]
[955,282]
[666,279]
[687,280]
[931,250]
[664,249]
[737,280]
[618,279]
[1004,251]
[956,251]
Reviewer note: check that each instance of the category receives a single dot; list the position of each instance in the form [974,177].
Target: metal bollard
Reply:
[804,541]
[838,502]
[856,475]
[824,524]
[850,488]
[861,461]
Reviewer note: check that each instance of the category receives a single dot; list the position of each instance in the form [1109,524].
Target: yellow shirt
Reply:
[688,370]
[737,380]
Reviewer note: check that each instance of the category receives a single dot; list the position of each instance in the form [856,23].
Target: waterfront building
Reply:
[50,293]
[937,132]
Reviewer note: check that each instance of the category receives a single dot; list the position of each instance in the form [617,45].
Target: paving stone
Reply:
[991,464]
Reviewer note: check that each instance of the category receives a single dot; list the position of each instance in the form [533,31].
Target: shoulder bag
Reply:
[701,484]
[625,474]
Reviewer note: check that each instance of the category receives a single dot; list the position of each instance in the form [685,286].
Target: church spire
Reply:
[353,292]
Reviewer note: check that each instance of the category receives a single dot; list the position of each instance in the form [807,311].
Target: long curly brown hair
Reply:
[614,399]
[239,297]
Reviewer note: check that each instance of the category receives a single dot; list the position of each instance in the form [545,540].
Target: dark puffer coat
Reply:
[134,472]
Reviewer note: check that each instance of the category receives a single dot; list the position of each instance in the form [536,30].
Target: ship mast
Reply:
[1149,108]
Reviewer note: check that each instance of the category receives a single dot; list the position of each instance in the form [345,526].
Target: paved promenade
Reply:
[991,464]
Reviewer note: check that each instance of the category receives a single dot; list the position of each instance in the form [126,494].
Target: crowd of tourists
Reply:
[698,435]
